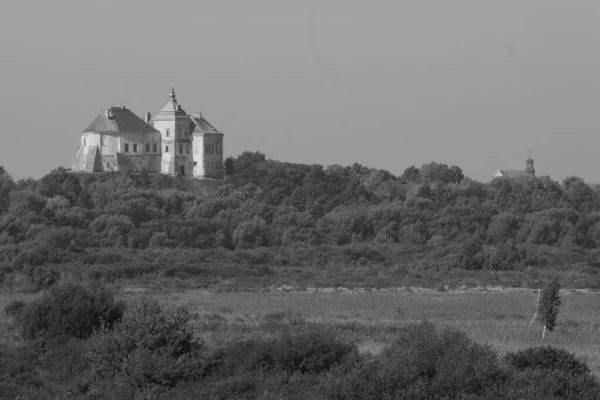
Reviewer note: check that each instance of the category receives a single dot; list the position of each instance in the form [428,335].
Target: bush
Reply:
[310,352]
[421,363]
[44,278]
[539,384]
[148,348]
[14,308]
[548,358]
[69,310]
[19,378]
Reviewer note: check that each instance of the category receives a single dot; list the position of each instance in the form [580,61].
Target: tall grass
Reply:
[500,319]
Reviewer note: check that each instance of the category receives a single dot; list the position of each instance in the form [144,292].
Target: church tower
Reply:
[174,126]
[529,166]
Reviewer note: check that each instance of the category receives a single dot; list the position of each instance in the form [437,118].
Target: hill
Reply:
[272,222]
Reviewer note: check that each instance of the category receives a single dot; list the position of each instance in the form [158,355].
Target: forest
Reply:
[274,222]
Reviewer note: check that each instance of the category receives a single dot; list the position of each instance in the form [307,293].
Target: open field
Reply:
[498,318]
[257,341]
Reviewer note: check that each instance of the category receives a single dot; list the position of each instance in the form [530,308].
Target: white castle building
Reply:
[172,142]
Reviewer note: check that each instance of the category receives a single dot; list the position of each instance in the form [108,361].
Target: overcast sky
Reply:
[386,83]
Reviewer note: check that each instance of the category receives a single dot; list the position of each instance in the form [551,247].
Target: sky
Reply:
[385,83]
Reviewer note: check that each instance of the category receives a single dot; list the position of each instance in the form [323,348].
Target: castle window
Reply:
[135,148]
[84,141]
[126,147]
[180,149]
[187,148]
[205,149]
[154,147]
[147,147]
[103,140]
[166,149]
[167,132]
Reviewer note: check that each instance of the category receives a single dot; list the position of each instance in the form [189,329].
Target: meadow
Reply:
[284,342]
[499,318]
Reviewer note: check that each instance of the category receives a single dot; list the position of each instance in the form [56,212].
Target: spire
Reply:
[171,109]
[529,165]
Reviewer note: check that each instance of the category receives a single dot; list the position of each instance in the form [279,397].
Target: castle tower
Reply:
[529,166]
[175,129]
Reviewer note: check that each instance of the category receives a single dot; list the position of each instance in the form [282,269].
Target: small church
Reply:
[173,143]
[516,173]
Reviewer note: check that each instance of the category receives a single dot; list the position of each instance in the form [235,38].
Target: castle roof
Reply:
[512,173]
[117,120]
[202,126]
[171,110]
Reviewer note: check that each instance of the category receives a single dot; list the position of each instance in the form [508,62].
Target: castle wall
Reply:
[79,162]
[134,163]
[198,152]
[115,144]
[109,163]
[184,159]
[213,156]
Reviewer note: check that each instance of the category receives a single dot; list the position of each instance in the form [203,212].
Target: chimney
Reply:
[197,115]
[147,117]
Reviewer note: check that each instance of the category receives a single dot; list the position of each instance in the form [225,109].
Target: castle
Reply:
[172,142]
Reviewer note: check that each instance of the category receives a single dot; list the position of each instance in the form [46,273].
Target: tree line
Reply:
[288,214]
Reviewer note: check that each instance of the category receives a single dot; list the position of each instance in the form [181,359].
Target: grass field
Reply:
[498,318]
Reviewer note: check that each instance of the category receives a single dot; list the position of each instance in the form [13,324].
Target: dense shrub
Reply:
[539,384]
[69,310]
[14,308]
[18,374]
[311,351]
[548,358]
[421,363]
[149,347]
